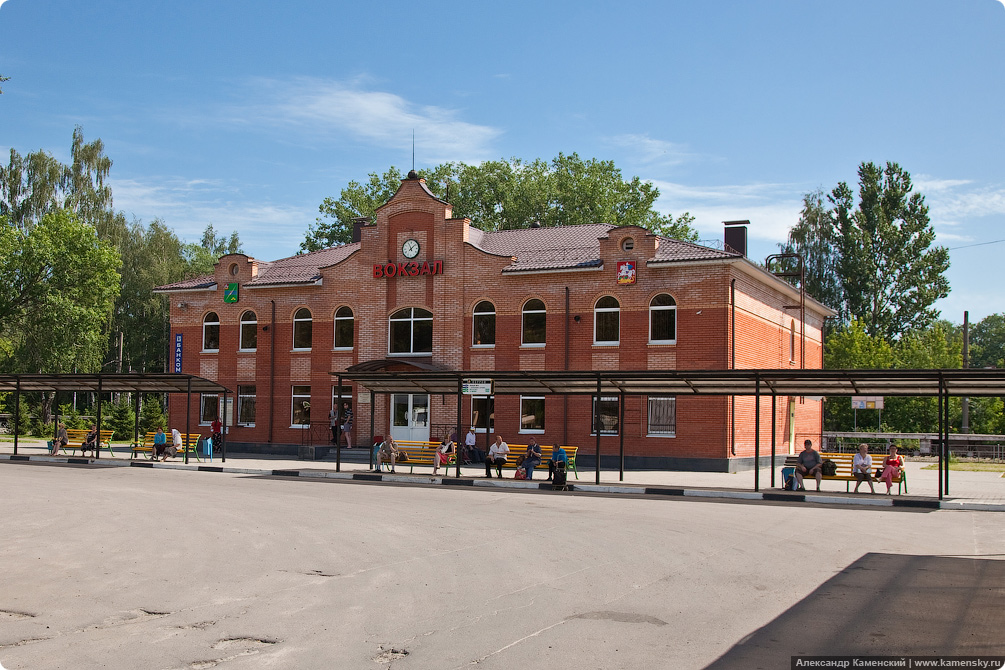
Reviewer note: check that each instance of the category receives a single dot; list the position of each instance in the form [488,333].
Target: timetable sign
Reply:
[476,386]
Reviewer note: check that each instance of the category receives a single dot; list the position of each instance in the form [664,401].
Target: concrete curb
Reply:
[769,496]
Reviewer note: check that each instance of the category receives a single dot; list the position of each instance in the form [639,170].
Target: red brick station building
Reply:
[422,290]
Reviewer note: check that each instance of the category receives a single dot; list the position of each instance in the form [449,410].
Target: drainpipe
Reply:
[565,397]
[272,366]
[732,364]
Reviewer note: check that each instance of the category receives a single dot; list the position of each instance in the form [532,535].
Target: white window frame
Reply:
[297,322]
[243,397]
[475,315]
[412,321]
[523,322]
[206,323]
[293,405]
[253,323]
[336,320]
[663,308]
[653,403]
[593,416]
[597,311]
[535,431]
[208,399]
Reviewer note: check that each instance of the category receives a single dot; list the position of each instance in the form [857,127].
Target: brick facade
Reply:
[712,290]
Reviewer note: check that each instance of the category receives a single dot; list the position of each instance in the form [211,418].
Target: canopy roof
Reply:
[142,382]
[970,382]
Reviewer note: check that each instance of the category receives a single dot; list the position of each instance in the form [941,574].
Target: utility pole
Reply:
[966,364]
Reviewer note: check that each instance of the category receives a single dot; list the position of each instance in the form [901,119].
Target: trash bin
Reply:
[207,447]
[789,479]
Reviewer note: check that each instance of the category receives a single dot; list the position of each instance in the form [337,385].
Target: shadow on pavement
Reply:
[885,604]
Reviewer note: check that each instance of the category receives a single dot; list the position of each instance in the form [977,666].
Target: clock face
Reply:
[410,249]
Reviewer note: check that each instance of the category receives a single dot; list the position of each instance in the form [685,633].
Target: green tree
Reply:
[58,283]
[813,238]
[2,80]
[200,258]
[507,194]
[987,342]
[151,415]
[851,347]
[889,272]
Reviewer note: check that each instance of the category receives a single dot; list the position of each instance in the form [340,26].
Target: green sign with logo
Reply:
[230,293]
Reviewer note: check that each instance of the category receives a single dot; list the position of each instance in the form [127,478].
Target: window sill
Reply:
[533,346]
[531,431]
[301,351]
[210,351]
[661,342]
[342,349]
[300,426]
[247,351]
[661,434]
[244,425]
[483,346]
[410,354]
[607,344]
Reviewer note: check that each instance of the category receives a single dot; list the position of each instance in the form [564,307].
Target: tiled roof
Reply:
[546,248]
[678,250]
[534,249]
[303,269]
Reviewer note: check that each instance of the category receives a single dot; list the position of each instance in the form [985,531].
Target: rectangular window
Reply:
[531,414]
[209,408]
[482,406]
[249,335]
[246,405]
[662,416]
[609,416]
[301,407]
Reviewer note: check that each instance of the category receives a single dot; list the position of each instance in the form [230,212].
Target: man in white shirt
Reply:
[498,453]
[470,448]
[172,451]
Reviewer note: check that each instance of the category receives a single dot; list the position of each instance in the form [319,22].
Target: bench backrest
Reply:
[78,434]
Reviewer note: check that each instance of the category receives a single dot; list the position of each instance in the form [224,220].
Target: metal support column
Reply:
[757,432]
[941,443]
[596,426]
[17,413]
[188,417]
[223,435]
[774,403]
[97,452]
[621,431]
[338,426]
[457,442]
[373,430]
[136,424]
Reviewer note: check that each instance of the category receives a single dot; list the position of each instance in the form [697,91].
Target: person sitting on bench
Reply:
[90,441]
[808,464]
[388,453]
[557,455]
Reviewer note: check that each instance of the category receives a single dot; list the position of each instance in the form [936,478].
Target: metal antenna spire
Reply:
[413,148]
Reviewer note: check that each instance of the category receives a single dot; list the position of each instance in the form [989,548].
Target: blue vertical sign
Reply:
[177,352]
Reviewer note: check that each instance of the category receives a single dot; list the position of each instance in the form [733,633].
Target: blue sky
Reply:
[248,114]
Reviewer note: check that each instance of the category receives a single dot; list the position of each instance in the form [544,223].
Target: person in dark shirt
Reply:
[808,464]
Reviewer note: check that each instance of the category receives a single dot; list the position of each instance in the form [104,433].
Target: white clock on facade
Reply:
[410,249]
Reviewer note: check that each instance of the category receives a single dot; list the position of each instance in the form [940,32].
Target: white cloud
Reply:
[187,206]
[651,151]
[332,110]
[771,208]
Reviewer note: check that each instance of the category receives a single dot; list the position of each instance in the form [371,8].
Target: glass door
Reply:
[410,417]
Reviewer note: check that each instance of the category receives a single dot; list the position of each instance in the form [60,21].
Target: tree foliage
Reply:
[507,194]
[873,259]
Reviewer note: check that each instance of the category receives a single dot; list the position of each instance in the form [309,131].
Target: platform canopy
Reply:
[911,383]
[125,382]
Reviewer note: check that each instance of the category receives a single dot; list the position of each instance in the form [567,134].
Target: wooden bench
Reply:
[77,436]
[418,452]
[516,451]
[844,473]
[189,442]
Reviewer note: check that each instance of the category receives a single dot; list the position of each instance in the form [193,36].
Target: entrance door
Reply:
[410,417]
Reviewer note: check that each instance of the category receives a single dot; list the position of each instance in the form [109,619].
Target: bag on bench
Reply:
[828,468]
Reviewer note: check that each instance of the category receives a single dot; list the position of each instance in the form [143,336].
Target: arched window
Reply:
[411,331]
[662,320]
[344,323]
[211,332]
[303,326]
[534,323]
[249,331]
[607,321]
[484,325]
